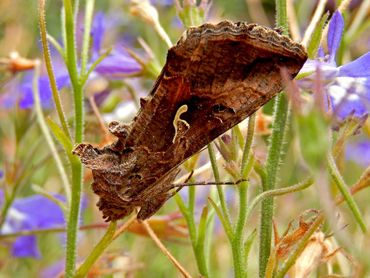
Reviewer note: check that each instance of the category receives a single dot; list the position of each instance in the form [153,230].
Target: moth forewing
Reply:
[214,77]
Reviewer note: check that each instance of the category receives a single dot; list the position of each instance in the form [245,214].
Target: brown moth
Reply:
[214,77]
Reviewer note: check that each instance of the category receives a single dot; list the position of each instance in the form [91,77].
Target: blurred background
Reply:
[26,164]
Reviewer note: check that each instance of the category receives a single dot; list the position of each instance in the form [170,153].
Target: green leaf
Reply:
[56,45]
[201,241]
[202,226]
[225,224]
[249,242]
[60,135]
[192,14]
[181,205]
[314,43]
[94,65]
[313,130]
[63,139]
[108,237]
[343,188]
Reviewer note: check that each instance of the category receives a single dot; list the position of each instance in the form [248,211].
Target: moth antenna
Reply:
[189,177]
[181,185]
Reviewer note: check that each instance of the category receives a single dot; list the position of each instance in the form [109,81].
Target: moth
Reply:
[214,77]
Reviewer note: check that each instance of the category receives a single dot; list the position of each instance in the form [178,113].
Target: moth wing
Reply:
[222,74]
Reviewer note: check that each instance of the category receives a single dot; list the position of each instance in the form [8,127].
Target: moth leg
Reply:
[189,177]
[181,185]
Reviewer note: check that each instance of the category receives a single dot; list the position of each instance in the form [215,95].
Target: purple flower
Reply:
[97,32]
[26,100]
[21,93]
[348,85]
[162,2]
[54,270]
[359,152]
[118,62]
[35,212]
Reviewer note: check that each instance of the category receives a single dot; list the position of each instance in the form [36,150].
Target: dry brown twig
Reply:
[165,250]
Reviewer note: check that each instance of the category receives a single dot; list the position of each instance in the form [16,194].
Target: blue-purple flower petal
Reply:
[26,246]
[350,108]
[328,71]
[320,53]
[162,2]
[357,68]
[54,270]
[336,27]
[42,212]
[350,96]
[118,63]
[97,33]
[26,101]
[35,212]
[359,152]
[10,95]
[348,86]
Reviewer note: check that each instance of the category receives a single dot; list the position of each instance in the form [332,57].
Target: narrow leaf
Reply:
[314,43]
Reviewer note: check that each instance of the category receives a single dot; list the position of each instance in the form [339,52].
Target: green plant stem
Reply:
[89,8]
[220,190]
[74,211]
[56,45]
[281,18]
[237,244]
[227,226]
[247,157]
[72,223]
[49,68]
[272,165]
[190,216]
[234,146]
[47,135]
[93,66]
[274,156]
[338,180]
[277,192]
[71,58]
[193,233]
[200,246]
[97,251]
